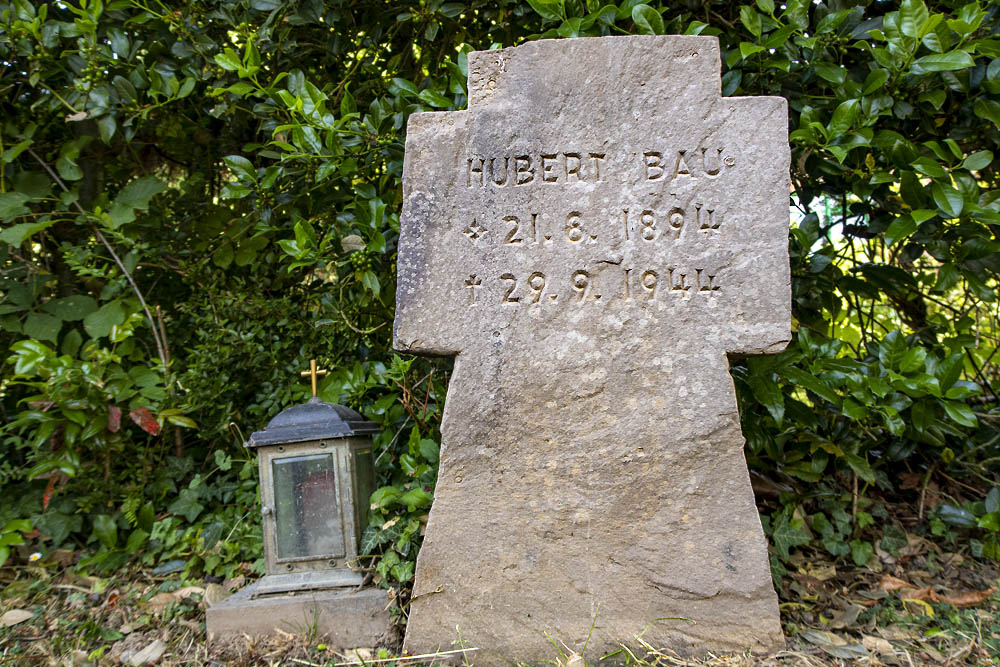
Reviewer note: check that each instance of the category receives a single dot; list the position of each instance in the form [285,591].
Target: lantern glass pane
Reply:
[306,511]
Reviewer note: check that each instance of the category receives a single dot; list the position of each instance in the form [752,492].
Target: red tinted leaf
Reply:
[115,418]
[49,489]
[146,421]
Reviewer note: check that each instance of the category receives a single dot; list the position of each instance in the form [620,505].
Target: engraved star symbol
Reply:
[474,231]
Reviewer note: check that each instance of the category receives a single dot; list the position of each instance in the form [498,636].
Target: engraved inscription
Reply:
[642,286]
[559,167]
[669,165]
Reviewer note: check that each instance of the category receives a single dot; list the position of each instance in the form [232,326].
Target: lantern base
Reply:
[347,618]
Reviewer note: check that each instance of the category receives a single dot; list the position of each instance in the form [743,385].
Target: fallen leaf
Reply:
[834,644]
[149,655]
[214,593]
[969,598]
[234,584]
[158,602]
[188,591]
[14,616]
[846,617]
[898,633]
[891,583]
[822,572]
[877,645]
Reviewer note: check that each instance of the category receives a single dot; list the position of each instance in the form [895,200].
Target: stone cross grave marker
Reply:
[591,239]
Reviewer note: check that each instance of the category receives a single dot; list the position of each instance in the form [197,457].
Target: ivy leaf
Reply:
[187,505]
[787,535]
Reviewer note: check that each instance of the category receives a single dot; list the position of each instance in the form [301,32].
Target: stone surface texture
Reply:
[592,467]
[347,618]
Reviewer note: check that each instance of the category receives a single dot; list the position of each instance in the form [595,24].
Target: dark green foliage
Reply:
[198,198]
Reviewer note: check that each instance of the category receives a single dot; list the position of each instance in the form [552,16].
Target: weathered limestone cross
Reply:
[592,238]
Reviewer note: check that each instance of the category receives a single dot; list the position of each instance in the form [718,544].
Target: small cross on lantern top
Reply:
[313,373]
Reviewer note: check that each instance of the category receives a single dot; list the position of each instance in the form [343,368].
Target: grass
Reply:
[837,617]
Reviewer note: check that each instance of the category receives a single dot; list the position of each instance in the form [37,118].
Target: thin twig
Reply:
[160,346]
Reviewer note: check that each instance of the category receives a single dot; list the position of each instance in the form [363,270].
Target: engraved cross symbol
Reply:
[474,231]
[473,283]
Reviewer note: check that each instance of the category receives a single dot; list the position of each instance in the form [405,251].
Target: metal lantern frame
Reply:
[312,456]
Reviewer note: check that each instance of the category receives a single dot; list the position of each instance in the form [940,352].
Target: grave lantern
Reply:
[317,472]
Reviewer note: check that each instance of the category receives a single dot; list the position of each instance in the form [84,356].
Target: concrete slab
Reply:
[347,618]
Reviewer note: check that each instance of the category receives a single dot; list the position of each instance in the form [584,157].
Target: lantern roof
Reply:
[312,420]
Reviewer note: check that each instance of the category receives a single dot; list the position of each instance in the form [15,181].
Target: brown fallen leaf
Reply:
[877,645]
[14,616]
[969,598]
[891,583]
[158,602]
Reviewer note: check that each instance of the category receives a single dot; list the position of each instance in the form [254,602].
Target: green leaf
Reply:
[430,450]
[992,501]
[929,167]
[138,192]
[15,235]
[988,110]
[68,169]
[42,327]
[948,199]
[228,60]
[960,413]
[767,393]
[861,552]
[942,62]
[416,498]
[11,205]
[843,117]
[187,505]
[405,86]
[435,99]
[241,166]
[901,227]
[788,534]
[957,516]
[913,359]
[647,20]
[978,160]
[830,72]
[875,80]
[549,9]
[105,530]
[912,17]
[860,466]
[811,383]
[891,350]
[99,323]
[136,541]
[749,17]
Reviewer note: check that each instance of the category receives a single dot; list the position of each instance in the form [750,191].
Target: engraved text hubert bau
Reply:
[670,222]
